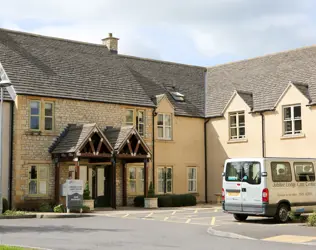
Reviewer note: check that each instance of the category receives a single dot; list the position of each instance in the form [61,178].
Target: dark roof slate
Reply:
[159,77]
[265,77]
[71,138]
[247,97]
[117,135]
[46,66]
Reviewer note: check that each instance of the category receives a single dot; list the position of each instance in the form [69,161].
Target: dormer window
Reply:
[177,96]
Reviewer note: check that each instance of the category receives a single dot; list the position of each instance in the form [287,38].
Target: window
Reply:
[249,172]
[136,180]
[48,116]
[237,125]
[164,126]
[165,180]
[35,115]
[292,120]
[136,119]
[177,96]
[41,115]
[38,177]
[129,118]
[192,179]
[140,120]
[304,171]
[281,172]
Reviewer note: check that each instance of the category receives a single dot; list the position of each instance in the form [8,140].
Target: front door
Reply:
[107,185]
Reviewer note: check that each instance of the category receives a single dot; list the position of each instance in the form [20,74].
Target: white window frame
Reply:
[139,180]
[129,123]
[38,179]
[237,114]
[37,115]
[164,126]
[292,119]
[142,123]
[192,180]
[165,180]
[48,116]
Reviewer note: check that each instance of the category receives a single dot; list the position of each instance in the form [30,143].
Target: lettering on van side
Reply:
[293,185]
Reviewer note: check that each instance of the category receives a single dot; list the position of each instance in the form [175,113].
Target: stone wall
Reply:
[32,148]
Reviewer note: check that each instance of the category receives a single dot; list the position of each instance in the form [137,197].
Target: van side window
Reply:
[281,171]
[304,171]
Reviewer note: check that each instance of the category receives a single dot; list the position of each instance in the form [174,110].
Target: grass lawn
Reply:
[4,247]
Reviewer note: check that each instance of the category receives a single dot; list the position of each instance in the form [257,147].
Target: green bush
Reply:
[169,200]
[13,213]
[312,220]
[5,205]
[45,207]
[86,192]
[85,209]
[59,209]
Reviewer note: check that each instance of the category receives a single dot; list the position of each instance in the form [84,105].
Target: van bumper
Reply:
[265,210]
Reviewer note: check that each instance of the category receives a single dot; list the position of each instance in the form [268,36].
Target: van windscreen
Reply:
[245,171]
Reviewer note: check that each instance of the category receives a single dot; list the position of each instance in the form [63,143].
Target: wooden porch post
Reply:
[57,177]
[124,184]
[77,175]
[114,183]
[145,178]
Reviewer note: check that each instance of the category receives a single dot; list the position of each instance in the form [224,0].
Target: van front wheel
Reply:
[240,217]
[282,214]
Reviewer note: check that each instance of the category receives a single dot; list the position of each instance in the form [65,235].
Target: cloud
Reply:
[191,31]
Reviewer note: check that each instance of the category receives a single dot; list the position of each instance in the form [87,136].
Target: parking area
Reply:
[256,228]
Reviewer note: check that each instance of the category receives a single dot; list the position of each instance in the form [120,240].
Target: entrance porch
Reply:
[99,158]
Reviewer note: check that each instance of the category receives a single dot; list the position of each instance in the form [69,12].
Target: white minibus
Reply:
[269,187]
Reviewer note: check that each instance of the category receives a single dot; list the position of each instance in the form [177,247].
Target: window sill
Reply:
[295,136]
[40,133]
[165,140]
[243,140]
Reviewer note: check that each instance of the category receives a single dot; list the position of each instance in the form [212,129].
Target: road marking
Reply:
[148,215]
[213,221]
[196,211]
[188,221]
[290,238]
[174,212]
[166,218]
[124,216]
[216,210]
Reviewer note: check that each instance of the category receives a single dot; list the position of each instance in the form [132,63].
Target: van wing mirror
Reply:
[223,173]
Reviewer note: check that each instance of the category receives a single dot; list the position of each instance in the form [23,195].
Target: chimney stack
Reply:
[111,43]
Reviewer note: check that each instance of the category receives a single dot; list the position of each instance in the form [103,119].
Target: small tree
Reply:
[86,192]
[151,191]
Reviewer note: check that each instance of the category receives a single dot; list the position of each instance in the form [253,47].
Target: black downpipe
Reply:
[153,138]
[11,154]
[205,158]
[263,142]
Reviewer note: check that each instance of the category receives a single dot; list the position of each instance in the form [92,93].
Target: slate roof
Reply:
[247,97]
[46,66]
[72,138]
[303,88]
[265,77]
[159,77]
[117,135]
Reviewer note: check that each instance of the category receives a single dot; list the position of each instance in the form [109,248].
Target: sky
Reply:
[197,32]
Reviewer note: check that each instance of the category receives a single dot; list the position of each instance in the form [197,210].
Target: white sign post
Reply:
[74,195]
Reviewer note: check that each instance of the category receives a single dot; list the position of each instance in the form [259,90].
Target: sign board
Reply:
[74,195]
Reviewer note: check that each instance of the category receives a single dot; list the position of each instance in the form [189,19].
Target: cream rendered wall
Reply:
[278,145]
[220,148]
[185,149]
[6,149]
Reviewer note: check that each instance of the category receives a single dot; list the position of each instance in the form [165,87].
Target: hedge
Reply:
[169,200]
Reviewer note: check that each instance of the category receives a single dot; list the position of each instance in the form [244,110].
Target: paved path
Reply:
[255,227]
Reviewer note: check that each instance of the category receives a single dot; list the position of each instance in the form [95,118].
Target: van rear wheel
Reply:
[240,217]
[282,214]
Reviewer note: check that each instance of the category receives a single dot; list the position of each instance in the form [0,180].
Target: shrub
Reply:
[13,213]
[45,207]
[312,220]
[139,201]
[151,191]
[59,209]
[85,209]
[5,205]
[169,200]
[86,192]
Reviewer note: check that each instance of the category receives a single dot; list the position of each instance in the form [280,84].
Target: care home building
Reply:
[117,122]
[120,122]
